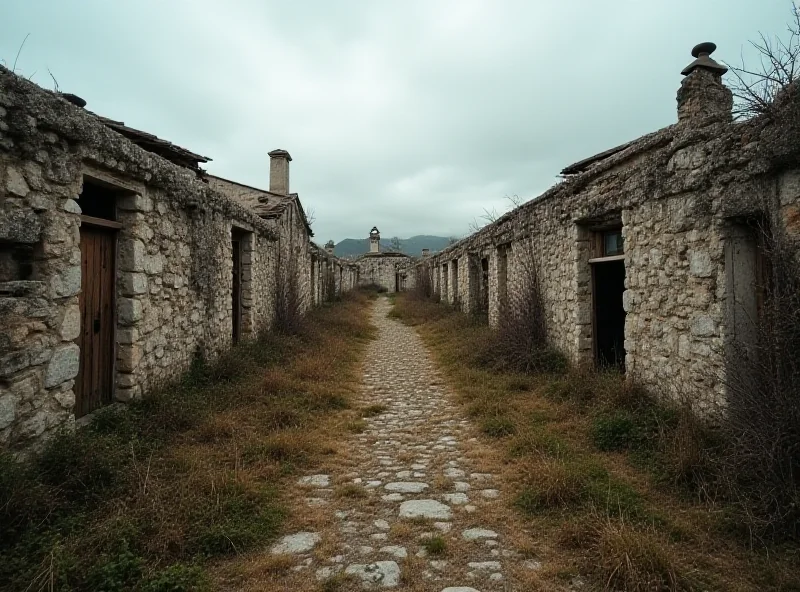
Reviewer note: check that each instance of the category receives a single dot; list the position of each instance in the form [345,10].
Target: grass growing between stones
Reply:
[146,496]
[608,483]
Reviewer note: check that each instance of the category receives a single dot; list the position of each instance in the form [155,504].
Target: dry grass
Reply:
[154,494]
[604,481]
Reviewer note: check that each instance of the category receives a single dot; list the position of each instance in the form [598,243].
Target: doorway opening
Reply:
[94,384]
[237,237]
[484,301]
[455,301]
[608,285]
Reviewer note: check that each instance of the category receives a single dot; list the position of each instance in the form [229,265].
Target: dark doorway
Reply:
[236,292]
[609,316]
[396,282]
[484,303]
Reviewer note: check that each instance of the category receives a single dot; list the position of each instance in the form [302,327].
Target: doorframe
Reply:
[111,227]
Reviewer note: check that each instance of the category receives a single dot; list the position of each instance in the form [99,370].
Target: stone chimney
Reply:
[374,240]
[702,96]
[279,172]
[426,253]
[329,246]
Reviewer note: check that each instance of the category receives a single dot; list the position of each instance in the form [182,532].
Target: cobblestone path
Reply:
[410,507]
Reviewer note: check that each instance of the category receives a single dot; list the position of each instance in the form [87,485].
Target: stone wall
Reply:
[676,195]
[388,270]
[172,259]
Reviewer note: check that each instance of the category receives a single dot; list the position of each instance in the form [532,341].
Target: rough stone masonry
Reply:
[649,255]
[121,260]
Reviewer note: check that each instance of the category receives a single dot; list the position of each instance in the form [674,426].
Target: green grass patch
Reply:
[434,545]
[498,427]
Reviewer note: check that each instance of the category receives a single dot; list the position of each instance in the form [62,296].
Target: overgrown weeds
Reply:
[145,495]
[760,465]
[623,482]
[289,303]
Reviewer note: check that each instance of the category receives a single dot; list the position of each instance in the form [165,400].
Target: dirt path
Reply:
[410,506]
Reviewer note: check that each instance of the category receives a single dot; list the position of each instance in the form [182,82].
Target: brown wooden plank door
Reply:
[94,383]
[236,294]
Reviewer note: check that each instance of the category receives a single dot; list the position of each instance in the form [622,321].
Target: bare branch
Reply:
[779,65]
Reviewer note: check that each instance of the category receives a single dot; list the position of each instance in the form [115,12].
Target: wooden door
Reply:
[236,294]
[94,384]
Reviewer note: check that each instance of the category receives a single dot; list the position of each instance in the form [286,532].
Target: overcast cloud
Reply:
[410,115]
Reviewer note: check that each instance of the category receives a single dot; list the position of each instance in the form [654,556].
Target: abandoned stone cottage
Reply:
[120,260]
[648,254]
[390,270]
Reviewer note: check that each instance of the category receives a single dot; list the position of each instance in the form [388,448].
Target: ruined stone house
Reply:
[649,254]
[121,260]
[391,270]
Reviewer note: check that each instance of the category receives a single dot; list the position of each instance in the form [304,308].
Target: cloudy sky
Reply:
[412,115]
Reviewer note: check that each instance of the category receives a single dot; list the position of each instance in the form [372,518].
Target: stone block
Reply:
[19,226]
[700,264]
[789,187]
[8,409]
[703,326]
[71,206]
[128,357]
[153,264]
[628,299]
[34,426]
[133,284]
[71,323]
[135,203]
[39,202]
[63,365]
[66,398]
[14,362]
[126,380]
[15,183]
[126,395]
[129,311]
[131,255]
[67,283]
[127,335]
[25,389]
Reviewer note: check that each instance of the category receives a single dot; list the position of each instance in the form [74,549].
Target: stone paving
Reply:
[410,507]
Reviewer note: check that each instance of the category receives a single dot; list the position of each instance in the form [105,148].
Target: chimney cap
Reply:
[74,99]
[703,51]
[280,153]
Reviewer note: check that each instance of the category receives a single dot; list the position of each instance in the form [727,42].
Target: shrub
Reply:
[176,578]
[434,545]
[633,560]
[423,283]
[552,485]
[289,305]
[82,466]
[760,465]
[521,342]
[613,431]
[498,426]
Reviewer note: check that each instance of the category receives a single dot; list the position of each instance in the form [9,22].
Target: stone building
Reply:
[391,270]
[649,254]
[121,260]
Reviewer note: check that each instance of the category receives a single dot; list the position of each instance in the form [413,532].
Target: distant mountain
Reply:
[353,247]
